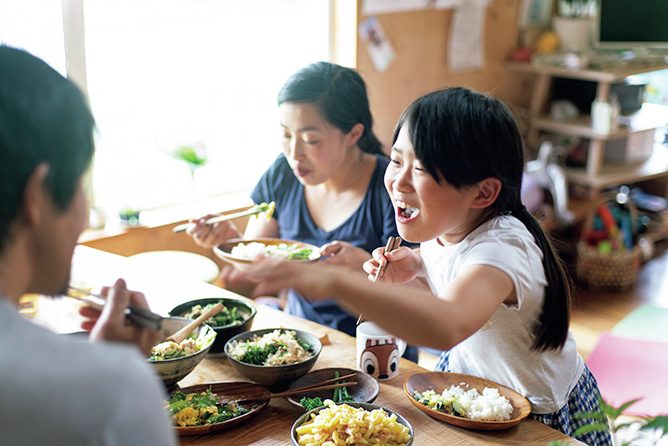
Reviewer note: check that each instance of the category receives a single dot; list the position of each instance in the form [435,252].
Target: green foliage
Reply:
[191,155]
[606,420]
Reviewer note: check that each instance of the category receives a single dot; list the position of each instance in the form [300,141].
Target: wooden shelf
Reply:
[650,116]
[580,126]
[654,167]
[610,74]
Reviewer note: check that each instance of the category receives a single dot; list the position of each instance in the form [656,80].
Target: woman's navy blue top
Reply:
[367,228]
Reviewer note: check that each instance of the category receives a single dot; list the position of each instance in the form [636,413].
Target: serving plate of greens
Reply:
[242,253]
[365,391]
[201,409]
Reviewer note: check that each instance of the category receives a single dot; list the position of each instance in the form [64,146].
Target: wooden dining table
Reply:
[94,268]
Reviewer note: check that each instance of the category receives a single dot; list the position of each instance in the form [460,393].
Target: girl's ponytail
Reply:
[551,330]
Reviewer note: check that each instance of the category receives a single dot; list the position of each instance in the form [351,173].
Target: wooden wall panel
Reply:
[420,40]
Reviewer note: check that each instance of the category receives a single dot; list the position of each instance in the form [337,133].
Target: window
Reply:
[43,37]
[165,73]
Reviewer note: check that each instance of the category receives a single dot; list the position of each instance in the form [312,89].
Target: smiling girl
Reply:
[498,298]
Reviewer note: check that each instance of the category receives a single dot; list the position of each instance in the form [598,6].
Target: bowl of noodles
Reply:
[235,318]
[273,356]
[241,253]
[351,423]
[172,361]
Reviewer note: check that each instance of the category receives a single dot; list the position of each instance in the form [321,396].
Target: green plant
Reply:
[129,216]
[577,8]
[192,155]
[608,419]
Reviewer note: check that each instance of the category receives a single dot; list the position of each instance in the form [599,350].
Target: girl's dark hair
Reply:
[463,137]
[340,95]
[44,118]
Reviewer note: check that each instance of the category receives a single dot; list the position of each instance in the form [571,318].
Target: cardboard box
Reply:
[635,148]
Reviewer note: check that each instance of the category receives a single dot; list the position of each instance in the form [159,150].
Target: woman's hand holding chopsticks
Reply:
[209,235]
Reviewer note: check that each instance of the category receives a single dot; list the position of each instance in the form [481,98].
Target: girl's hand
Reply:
[313,280]
[402,265]
[210,235]
[110,323]
[343,253]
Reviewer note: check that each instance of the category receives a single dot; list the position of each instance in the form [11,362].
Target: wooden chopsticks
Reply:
[225,217]
[332,383]
[392,244]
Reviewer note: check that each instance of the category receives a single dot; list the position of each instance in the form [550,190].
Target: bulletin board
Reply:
[420,41]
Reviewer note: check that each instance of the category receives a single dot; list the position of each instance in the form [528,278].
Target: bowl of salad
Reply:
[242,253]
[237,317]
[273,356]
[172,361]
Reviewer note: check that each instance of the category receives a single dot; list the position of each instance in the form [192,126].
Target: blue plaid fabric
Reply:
[583,398]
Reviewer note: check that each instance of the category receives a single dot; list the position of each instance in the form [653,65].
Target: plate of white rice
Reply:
[240,252]
[467,401]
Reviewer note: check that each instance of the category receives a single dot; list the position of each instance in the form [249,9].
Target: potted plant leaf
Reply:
[194,156]
[574,24]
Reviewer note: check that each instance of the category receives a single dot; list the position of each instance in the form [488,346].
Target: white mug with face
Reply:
[378,352]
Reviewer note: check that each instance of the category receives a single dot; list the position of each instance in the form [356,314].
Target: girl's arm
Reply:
[413,314]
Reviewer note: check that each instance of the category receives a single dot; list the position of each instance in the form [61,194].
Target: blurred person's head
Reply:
[326,120]
[46,144]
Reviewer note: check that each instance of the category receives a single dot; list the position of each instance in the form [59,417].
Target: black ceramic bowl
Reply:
[366,406]
[224,332]
[274,375]
[174,370]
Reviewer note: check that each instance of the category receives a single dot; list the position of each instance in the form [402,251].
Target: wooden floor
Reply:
[595,313]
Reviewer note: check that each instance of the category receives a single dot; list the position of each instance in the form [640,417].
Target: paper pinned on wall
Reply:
[371,7]
[466,49]
[379,48]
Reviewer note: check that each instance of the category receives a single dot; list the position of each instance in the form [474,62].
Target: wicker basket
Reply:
[614,271]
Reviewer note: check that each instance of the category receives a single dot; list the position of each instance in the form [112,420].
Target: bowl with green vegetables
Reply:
[273,356]
[236,317]
[365,391]
[173,361]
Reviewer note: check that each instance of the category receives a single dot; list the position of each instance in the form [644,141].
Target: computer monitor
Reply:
[632,24]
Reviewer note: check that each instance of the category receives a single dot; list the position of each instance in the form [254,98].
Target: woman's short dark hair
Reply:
[44,118]
[341,96]
[462,137]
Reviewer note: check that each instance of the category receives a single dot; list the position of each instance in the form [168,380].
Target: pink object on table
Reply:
[630,368]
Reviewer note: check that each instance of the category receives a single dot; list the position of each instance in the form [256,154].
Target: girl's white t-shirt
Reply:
[501,350]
